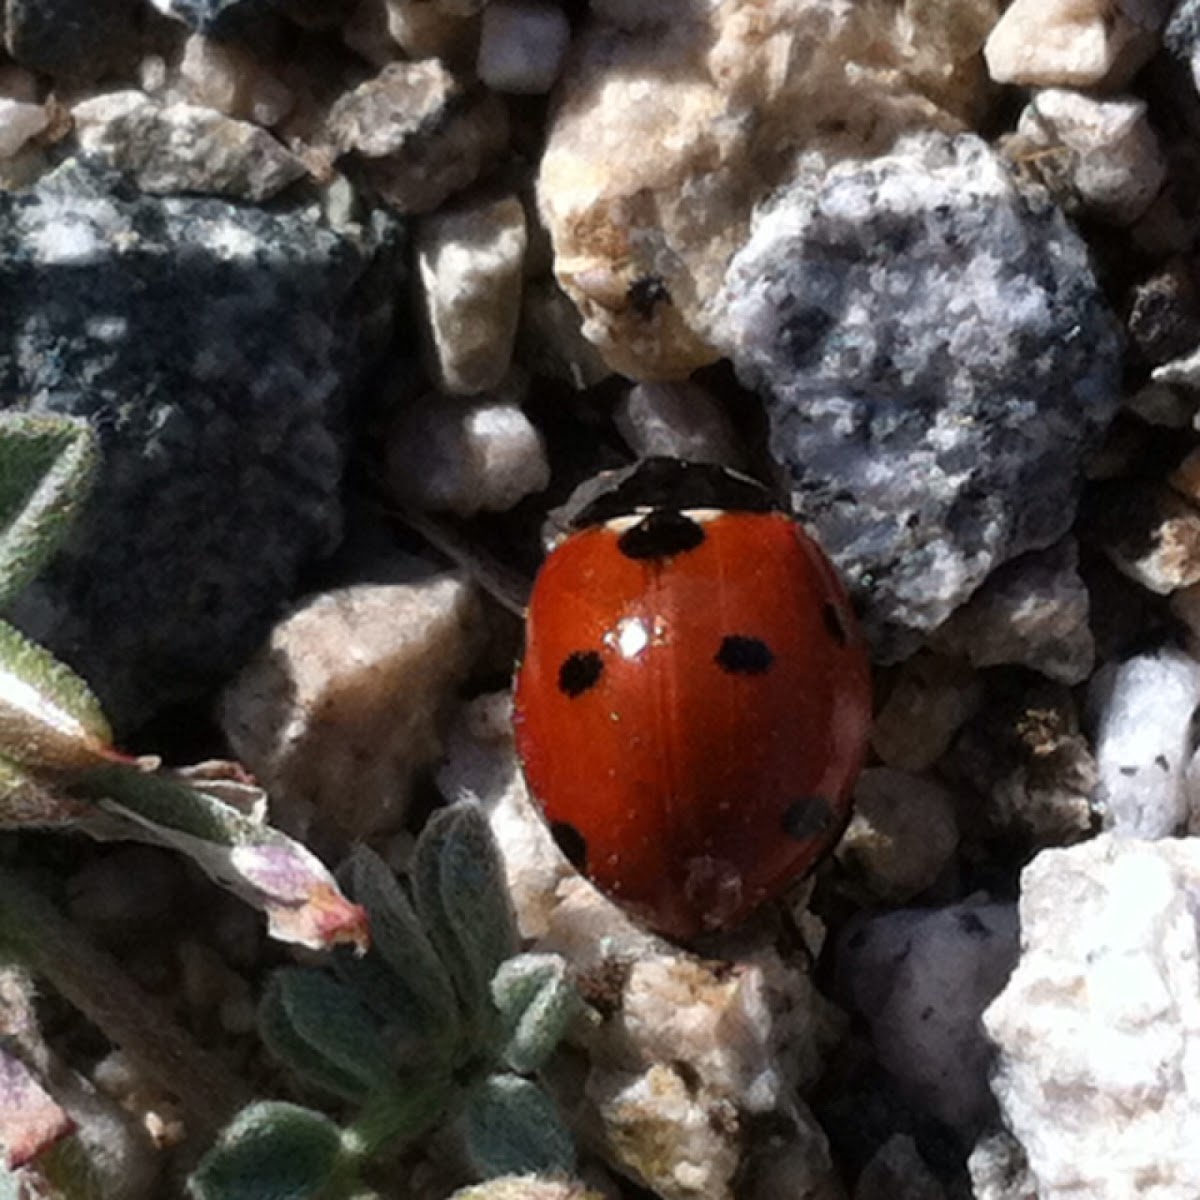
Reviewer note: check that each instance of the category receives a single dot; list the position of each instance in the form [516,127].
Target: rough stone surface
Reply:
[1099,1027]
[1106,158]
[416,134]
[902,835]
[1144,709]
[936,361]
[470,260]
[19,121]
[1164,314]
[728,94]
[445,453]
[999,1169]
[81,39]
[343,703]
[1032,611]
[1025,755]
[930,700]
[213,348]
[679,420]
[1074,43]
[173,148]
[522,45]
[921,978]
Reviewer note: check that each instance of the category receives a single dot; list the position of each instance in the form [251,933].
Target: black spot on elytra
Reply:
[646,293]
[832,615]
[659,534]
[808,817]
[744,655]
[972,926]
[571,842]
[579,672]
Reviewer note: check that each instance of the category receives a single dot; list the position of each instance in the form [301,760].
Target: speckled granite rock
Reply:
[935,358]
[1099,1026]
[213,347]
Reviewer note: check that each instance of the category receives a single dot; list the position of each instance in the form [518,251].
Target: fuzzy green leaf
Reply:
[537,1002]
[47,465]
[271,1151]
[462,899]
[513,1128]
[408,1109]
[320,1030]
[421,997]
[49,718]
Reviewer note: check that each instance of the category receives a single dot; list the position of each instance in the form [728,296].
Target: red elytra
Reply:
[694,700]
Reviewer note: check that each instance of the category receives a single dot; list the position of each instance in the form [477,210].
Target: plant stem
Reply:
[34,932]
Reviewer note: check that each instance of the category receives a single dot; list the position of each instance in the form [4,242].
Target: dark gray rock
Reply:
[80,38]
[936,360]
[214,347]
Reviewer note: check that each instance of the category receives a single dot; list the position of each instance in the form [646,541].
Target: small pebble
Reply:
[921,978]
[19,121]
[343,704]
[1073,43]
[522,45]
[470,261]
[449,454]
[679,420]
[1104,149]
[902,835]
[222,75]
[930,700]
[1144,709]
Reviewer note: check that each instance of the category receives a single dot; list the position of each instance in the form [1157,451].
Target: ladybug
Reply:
[693,704]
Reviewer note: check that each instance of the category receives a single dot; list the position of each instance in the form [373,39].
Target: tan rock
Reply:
[19,121]
[344,702]
[728,97]
[424,29]
[1074,43]
[225,76]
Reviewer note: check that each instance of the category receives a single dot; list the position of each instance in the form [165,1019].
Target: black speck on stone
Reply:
[972,926]
[937,362]
[215,348]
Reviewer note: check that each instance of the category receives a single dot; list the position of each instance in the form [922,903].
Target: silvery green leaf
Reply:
[320,1030]
[462,900]
[513,1128]
[421,995]
[233,846]
[537,1002]
[47,464]
[272,1151]
[49,718]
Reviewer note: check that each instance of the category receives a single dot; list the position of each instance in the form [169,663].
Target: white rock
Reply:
[171,148]
[1074,43]
[921,978]
[1143,713]
[999,1169]
[902,834]
[680,420]
[522,45]
[470,262]
[1113,161]
[1099,1026]
[344,702]
[450,454]
[19,121]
